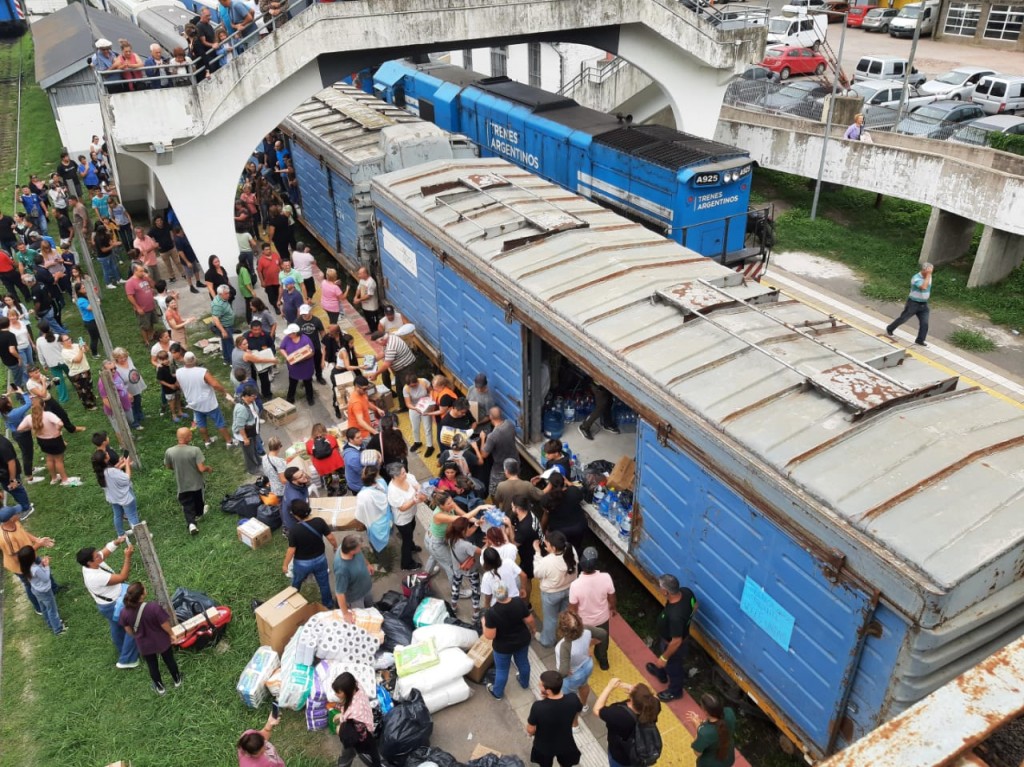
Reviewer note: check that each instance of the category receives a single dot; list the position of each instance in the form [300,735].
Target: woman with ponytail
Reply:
[150,624]
[715,733]
[556,570]
[563,510]
[640,707]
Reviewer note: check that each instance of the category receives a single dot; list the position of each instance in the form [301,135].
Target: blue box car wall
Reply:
[345,214]
[699,529]
[455,319]
[317,207]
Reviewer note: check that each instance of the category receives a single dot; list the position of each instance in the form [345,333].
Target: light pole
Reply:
[910,64]
[837,73]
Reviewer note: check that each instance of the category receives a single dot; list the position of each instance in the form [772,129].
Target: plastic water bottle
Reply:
[599,496]
[81,341]
[615,509]
[606,502]
[626,527]
[569,410]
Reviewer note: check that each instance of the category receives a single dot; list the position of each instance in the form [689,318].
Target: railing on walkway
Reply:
[594,74]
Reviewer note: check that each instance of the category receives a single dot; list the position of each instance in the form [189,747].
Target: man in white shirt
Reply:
[366,298]
[303,261]
[107,590]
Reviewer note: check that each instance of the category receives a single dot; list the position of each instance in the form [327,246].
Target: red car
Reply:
[793,60]
[855,15]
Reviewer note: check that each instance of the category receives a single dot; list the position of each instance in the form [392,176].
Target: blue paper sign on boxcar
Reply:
[767,613]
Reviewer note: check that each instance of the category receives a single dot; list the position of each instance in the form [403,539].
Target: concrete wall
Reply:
[972,182]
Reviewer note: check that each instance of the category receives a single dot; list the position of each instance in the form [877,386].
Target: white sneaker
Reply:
[192,529]
[133,664]
[111,287]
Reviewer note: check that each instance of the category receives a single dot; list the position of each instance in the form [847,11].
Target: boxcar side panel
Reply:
[868,706]
[475,338]
[408,269]
[317,207]
[345,216]
[763,599]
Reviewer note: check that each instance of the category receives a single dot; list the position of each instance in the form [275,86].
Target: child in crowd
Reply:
[170,391]
[38,574]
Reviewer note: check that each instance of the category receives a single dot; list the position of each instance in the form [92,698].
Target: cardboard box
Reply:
[342,392]
[482,655]
[623,475]
[384,397]
[338,513]
[300,354]
[279,411]
[254,534]
[279,617]
[195,621]
[348,378]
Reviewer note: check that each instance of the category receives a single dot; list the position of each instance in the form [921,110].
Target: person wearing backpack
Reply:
[150,625]
[673,628]
[633,737]
[323,449]
[716,731]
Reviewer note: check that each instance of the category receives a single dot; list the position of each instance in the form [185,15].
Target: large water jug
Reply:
[553,423]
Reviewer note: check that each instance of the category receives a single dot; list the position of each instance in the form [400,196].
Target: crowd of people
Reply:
[491,533]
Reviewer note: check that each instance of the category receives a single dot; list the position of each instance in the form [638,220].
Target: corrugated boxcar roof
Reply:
[349,121]
[937,481]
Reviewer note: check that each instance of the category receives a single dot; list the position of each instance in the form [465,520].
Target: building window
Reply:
[962,19]
[499,61]
[533,56]
[1004,22]
[467,58]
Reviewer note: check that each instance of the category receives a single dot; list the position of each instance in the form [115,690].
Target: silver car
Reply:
[957,84]
[878,19]
[976,132]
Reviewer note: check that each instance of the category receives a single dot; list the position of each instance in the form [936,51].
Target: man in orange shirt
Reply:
[360,408]
[269,269]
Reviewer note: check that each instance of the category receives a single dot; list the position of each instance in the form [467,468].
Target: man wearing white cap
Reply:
[313,328]
[104,60]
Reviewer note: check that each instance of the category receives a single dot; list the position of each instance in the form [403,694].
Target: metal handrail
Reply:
[587,74]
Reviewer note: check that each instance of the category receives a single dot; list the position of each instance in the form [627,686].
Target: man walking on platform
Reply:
[917,304]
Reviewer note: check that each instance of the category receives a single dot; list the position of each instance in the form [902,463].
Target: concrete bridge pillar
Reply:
[999,253]
[947,238]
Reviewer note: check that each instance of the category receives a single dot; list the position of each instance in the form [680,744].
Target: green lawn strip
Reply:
[69,705]
[882,244]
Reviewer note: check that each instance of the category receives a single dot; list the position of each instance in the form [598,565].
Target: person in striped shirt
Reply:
[395,357]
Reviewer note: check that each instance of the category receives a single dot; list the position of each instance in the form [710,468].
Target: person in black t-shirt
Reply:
[641,707]
[509,625]
[550,724]
[7,237]
[306,552]
[525,529]
[673,630]
[312,327]
[279,230]
[9,354]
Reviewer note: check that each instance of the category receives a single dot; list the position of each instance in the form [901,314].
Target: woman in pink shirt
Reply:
[255,748]
[331,295]
[46,428]
[148,249]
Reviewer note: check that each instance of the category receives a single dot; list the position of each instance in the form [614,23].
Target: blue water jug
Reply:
[553,423]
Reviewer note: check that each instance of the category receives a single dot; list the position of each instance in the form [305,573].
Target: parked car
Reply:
[807,31]
[750,87]
[878,19]
[803,99]
[977,132]
[939,119]
[836,11]
[910,15]
[793,60]
[855,16]
[882,100]
[1000,94]
[956,84]
[885,68]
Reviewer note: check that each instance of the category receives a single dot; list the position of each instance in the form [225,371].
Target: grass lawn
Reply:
[63,700]
[882,244]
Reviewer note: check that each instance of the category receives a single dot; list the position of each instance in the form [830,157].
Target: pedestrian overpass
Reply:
[196,138]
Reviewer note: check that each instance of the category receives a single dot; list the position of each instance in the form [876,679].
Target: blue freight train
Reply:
[12,18]
[849,517]
[695,191]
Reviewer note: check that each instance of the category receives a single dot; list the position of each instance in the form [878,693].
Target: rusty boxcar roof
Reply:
[924,479]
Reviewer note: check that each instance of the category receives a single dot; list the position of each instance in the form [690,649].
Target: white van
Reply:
[906,20]
[806,31]
[885,68]
[1000,94]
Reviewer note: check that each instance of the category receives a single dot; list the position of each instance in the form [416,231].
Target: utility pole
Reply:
[157,585]
[910,64]
[836,75]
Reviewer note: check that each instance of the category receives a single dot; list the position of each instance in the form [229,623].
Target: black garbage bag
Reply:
[493,760]
[269,515]
[396,632]
[438,756]
[187,603]
[243,502]
[406,727]
[407,612]
[389,600]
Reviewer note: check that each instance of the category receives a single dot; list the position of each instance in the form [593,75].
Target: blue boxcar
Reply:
[850,555]
[693,190]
